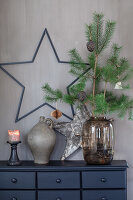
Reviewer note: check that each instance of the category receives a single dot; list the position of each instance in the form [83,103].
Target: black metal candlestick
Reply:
[14,160]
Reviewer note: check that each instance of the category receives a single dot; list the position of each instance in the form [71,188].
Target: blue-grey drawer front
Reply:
[104,195]
[59,195]
[104,179]
[17,195]
[17,180]
[57,180]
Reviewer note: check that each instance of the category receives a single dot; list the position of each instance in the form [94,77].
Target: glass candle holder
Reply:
[13,136]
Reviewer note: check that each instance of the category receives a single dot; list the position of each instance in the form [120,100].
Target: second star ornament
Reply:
[73,131]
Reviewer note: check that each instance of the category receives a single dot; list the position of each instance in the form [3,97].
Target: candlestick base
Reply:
[14,160]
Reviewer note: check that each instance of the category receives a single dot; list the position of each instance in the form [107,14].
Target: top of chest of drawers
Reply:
[68,165]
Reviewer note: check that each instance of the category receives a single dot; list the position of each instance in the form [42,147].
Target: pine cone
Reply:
[81,96]
[90,46]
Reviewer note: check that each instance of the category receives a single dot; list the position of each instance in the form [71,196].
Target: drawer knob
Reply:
[14,180]
[103,180]
[13,198]
[58,180]
[58,198]
[103,198]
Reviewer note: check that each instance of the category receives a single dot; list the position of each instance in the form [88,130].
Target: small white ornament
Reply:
[118,86]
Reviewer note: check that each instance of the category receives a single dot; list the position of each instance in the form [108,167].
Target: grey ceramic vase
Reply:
[41,140]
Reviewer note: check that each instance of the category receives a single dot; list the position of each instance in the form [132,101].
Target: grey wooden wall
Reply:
[21,25]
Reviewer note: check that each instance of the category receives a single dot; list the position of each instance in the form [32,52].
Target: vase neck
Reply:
[42,119]
[98,118]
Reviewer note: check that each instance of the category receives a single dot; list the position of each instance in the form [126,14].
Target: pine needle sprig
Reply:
[97,31]
[51,95]
[110,74]
[91,60]
[80,86]
[120,105]
[94,31]
[116,50]
[109,30]
[114,58]
[101,106]
[69,99]
[88,32]
[77,64]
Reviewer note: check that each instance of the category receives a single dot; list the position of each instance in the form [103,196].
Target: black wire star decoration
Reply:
[18,118]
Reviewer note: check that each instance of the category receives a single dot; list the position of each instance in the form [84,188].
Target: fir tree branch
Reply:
[116,69]
[110,26]
[51,95]
[97,30]
[88,32]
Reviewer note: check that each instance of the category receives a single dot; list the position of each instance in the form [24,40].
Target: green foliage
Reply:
[109,30]
[116,69]
[51,95]
[95,32]
[69,99]
[110,74]
[91,60]
[120,105]
[77,64]
[101,106]
[80,86]
[111,104]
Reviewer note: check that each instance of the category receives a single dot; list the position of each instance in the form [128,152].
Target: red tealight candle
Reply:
[14,136]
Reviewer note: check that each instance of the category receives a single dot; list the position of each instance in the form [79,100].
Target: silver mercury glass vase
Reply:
[97,141]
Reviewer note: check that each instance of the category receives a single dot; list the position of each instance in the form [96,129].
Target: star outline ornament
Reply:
[18,118]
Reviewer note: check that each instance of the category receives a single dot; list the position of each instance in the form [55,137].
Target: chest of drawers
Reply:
[63,180]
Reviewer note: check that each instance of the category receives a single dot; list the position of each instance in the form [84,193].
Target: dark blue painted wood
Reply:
[59,195]
[104,179]
[56,180]
[17,180]
[17,195]
[63,180]
[104,195]
[67,165]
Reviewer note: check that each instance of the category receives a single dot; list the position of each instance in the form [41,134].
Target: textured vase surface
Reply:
[97,141]
[41,140]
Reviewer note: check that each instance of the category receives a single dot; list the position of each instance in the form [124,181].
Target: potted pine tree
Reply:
[97,134]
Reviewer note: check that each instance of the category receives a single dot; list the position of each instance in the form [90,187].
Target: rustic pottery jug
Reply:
[97,141]
[41,140]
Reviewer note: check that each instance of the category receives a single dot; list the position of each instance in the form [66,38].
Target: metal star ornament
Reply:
[32,60]
[73,131]
[22,86]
